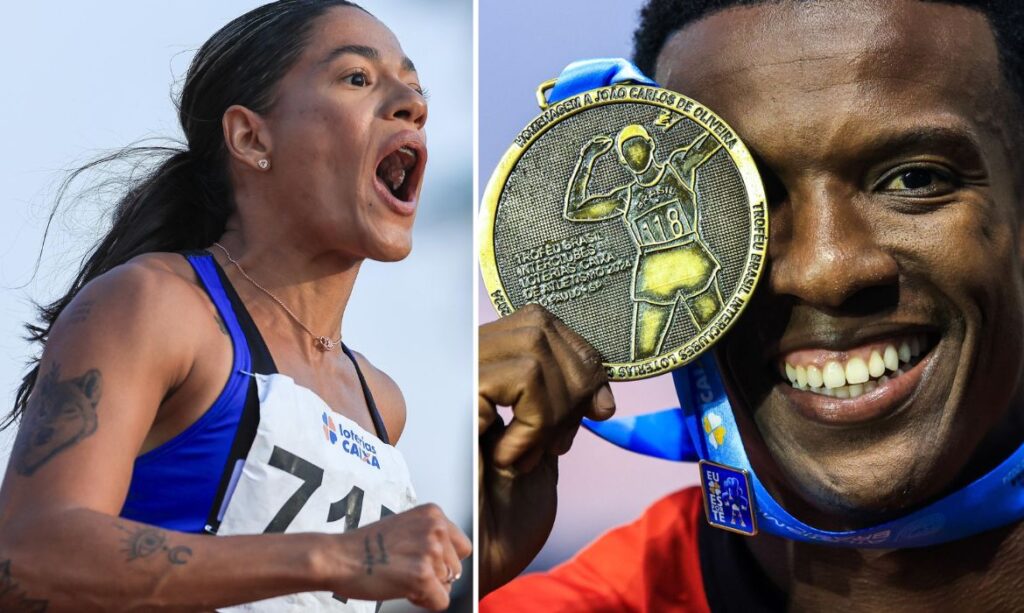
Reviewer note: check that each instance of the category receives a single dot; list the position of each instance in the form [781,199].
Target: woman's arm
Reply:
[78,559]
[126,345]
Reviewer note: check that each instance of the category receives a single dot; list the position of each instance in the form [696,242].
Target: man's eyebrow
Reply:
[953,139]
[369,53]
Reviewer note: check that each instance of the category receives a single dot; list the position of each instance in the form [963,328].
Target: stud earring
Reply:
[263,164]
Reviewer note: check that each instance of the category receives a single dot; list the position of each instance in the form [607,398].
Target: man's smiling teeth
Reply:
[857,375]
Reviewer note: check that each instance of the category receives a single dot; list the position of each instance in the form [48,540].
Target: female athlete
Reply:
[193,381]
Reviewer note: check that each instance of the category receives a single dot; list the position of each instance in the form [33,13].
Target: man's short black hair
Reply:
[659,19]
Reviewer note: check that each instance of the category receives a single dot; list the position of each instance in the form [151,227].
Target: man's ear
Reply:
[246,136]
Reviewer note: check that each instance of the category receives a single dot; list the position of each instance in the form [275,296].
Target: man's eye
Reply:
[358,79]
[920,181]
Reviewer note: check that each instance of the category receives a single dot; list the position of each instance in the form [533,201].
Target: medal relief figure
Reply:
[659,207]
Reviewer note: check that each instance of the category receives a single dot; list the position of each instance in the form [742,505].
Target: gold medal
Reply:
[636,216]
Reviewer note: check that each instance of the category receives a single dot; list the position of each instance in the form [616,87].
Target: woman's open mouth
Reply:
[399,174]
[857,384]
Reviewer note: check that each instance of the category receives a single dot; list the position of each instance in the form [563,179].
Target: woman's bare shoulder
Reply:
[164,281]
[154,293]
[387,395]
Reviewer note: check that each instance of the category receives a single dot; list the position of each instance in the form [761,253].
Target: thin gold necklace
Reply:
[323,343]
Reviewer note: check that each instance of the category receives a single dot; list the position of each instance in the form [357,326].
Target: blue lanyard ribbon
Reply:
[704,430]
[585,75]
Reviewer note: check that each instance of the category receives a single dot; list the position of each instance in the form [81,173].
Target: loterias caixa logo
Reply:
[351,442]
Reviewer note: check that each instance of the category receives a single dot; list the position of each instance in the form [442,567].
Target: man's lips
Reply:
[856,384]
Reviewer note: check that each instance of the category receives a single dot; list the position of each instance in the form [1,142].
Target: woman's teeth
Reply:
[408,154]
[857,375]
[395,178]
[393,169]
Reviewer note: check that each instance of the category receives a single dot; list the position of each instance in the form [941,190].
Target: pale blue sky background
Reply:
[83,78]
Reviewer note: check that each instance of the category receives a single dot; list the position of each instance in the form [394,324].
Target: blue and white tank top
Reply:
[180,485]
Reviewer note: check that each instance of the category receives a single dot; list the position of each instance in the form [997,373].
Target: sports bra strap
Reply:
[251,356]
[207,271]
[378,423]
[228,302]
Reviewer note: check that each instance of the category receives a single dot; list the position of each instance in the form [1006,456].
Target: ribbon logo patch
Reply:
[728,502]
[714,429]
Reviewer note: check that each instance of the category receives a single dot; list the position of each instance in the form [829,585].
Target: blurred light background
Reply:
[521,45]
[85,78]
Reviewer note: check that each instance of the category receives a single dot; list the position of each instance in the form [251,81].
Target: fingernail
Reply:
[604,401]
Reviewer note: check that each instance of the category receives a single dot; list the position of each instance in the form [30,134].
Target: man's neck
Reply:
[980,573]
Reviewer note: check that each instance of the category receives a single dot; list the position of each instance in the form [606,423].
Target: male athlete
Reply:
[888,135]
[659,207]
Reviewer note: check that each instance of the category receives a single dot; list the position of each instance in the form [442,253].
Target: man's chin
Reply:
[859,490]
[858,503]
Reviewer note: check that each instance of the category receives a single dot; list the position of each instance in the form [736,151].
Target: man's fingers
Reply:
[590,379]
[588,375]
[530,460]
[535,317]
[547,373]
[486,414]
[521,441]
[534,332]
[583,349]
[526,316]
[581,363]
[538,401]
[521,383]
[602,406]
[563,441]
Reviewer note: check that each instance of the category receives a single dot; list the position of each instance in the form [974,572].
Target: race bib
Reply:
[312,470]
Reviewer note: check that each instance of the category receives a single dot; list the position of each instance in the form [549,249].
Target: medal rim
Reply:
[750,491]
[743,161]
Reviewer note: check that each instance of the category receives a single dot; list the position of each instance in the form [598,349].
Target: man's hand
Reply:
[551,378]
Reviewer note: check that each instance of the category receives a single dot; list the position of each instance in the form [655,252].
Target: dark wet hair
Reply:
[185,199]
[659,19]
